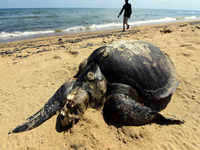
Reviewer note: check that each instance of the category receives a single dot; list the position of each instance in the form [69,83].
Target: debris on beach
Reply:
[165,30]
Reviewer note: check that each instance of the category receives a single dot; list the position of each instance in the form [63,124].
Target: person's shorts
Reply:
[125,19]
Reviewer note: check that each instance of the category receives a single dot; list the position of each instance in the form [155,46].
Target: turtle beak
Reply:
[55,103]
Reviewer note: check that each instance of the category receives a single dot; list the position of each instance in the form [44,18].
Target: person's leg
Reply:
[124,23]
[127,24]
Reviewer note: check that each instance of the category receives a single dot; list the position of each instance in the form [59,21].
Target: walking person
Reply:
[127,14]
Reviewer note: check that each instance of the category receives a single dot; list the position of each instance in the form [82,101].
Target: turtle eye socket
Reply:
[91,76]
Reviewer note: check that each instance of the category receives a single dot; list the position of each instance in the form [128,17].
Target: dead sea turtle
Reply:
[132,80]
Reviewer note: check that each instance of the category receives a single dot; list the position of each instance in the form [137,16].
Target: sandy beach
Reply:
[32,70]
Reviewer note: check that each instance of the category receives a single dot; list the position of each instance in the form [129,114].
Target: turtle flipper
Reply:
[160,119]
[54,104]
[123,110]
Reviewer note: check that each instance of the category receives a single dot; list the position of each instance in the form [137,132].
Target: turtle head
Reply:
[93,81]
[88,91]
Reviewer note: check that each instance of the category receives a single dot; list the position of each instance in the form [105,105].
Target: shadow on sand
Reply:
[160,119]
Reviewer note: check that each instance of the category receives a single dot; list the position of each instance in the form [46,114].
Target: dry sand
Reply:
[32,70]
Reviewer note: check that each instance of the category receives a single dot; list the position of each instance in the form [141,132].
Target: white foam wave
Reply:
[92,27]
[190,17]
[7,35]
[167,19]
[75,29]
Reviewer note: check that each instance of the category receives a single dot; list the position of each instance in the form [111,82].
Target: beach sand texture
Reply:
[32,70]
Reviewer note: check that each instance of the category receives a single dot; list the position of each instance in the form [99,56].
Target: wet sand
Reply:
[32,70]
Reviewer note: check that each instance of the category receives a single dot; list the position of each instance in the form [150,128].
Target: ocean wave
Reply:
[15,35]
[191,17]
[26,17]
[92,27]
[8,35]
[153,21]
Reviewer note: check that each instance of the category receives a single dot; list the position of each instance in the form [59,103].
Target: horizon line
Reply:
[91,8]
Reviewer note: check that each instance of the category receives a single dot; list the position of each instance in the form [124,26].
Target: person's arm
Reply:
[121,12]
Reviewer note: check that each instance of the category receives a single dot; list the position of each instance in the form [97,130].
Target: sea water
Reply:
[16,24]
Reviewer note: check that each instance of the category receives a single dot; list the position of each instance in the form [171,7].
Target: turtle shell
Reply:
[138,64]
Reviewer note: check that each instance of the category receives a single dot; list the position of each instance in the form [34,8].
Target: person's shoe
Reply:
[128,27]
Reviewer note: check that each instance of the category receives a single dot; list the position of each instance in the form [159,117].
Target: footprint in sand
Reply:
[188,46]
[186,54]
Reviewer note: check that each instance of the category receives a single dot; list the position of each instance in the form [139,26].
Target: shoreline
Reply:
[99,33]
[54,42]
[72,33]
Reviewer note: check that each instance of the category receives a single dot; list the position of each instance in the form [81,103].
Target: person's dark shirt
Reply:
[127,10]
